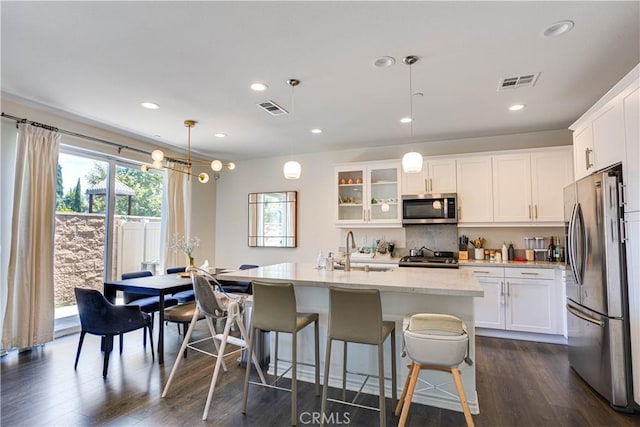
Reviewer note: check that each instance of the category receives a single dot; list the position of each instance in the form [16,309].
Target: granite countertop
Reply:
[515,264]
[434,281]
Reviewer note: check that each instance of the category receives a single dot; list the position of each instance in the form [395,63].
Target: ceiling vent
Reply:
[527,80]
[272,108]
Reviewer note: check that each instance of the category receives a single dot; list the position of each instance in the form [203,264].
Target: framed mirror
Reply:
[273,219]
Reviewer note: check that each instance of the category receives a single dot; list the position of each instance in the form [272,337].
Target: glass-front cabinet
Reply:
[368,194]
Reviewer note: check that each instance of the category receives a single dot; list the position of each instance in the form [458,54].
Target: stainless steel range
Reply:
[441,260]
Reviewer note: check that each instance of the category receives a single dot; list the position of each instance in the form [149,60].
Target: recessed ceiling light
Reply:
[384,62]
[220,135]
[150,105]
[316,130]
[259,87]
[406,120]
[558,28]
[516,107]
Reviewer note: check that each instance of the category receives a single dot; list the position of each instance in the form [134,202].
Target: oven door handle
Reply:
[583,316]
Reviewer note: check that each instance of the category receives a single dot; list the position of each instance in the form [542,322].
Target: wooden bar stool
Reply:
[439,342]
[355,315]
[275,309]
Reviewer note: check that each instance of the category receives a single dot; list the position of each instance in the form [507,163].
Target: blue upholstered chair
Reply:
[99,317]
[148,304]
[184,296]
[239,287]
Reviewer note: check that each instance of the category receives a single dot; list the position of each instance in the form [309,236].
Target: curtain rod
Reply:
[120,147]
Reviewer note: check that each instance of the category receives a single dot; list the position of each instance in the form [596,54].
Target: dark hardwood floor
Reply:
[519,384]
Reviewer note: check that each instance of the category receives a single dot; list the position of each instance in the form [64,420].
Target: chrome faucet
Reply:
[347,261]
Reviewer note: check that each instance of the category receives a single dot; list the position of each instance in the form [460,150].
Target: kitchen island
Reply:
[403,291]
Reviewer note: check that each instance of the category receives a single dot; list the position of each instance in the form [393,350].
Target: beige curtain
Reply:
[29,314]
[176,214]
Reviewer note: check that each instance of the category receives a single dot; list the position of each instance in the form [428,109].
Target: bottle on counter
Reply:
[505,251]
[511,252]
[559,254]
[330,261]
[551,251]
[321,261]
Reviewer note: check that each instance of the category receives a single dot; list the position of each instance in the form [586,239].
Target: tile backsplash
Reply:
[438,237]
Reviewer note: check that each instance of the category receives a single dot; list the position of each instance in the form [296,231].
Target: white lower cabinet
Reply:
[519,299]
[532,300]
[489,310]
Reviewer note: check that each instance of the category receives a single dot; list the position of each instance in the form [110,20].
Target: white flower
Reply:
[185,245]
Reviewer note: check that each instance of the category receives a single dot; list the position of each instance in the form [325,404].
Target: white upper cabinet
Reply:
[551,171]
[605,134]
[512,188]
[583,155]
[608,135]
[368,195]
[475,194]
[438,176]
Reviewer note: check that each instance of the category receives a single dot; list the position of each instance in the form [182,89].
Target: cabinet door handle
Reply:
[430,184]
[459,213]
[529,211]
[426,185]
[587,155]
[508,290]
[535,208]
[528,274]
[364,214]
[502,293]
[480,272]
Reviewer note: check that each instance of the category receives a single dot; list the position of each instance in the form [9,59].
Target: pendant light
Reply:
[158,158]
[411,161]
[292,168]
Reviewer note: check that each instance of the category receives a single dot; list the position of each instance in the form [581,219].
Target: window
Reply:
[92,238]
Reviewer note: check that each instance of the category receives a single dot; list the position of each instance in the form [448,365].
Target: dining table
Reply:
[153,286]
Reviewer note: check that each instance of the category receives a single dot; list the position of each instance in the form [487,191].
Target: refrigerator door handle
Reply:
[571,242]
[581,244]
[584,317]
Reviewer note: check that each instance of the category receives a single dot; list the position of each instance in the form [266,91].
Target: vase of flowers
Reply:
[187,246]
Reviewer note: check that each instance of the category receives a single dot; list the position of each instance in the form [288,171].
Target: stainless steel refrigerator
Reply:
[597,299]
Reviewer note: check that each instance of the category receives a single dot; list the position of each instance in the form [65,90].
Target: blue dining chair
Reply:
[99,317]
[239,287]
[184,296]
[148,304]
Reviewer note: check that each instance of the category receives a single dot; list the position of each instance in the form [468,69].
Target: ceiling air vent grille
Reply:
[272,108]
[527,80]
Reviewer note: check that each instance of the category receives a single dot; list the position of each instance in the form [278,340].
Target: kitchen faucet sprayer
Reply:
[347,261]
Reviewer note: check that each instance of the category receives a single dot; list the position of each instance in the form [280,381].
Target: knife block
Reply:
[463,255]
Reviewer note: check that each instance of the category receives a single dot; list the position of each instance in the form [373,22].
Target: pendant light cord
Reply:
[411,100]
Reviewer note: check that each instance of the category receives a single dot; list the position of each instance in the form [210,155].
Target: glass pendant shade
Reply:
[412,162]
[157,155]
[216,165]
[292,169]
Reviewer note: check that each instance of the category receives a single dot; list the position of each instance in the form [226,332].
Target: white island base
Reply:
[403,291]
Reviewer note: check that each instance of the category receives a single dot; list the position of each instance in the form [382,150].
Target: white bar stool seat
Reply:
[437,342]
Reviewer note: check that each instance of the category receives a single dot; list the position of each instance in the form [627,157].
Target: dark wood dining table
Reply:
[151,285]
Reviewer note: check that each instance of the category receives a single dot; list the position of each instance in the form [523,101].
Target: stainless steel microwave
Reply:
[441,208]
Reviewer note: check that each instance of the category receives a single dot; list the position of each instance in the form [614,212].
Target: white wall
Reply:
[316,229]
